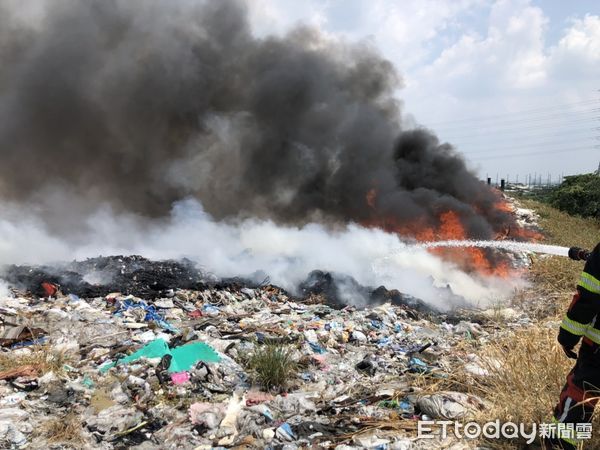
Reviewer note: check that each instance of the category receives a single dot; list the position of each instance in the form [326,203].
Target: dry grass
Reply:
[527,368]
[64,430]
[563,229]
[557,274]
[526,372]
[40,356]
[553,277]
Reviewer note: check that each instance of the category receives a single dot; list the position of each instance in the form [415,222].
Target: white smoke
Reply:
[4,291]
[238,248]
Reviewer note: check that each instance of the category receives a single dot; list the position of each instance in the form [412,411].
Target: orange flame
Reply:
[449,226]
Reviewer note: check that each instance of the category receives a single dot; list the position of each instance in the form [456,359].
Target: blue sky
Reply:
[514,85]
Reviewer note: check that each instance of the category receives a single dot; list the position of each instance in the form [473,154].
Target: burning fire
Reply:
[448,226]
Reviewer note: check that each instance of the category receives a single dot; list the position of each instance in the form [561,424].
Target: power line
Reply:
[516,113]
[518,155]
[546,144]
[529,127]
[545,118]
[514,135]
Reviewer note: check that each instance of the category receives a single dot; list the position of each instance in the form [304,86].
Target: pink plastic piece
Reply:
[180,377]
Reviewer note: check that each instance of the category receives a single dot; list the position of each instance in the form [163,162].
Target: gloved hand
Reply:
[578,254]
[569,352]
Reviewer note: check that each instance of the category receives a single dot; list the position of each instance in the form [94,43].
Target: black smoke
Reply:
[136,104]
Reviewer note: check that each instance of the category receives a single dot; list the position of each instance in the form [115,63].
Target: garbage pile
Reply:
[218,365]
[147,279]
[99,276]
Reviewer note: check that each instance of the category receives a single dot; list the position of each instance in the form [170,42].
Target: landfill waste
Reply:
[450,405]
[166,364]
[180,358]
[20,335]
[100,276]
[148,312]
[19,371]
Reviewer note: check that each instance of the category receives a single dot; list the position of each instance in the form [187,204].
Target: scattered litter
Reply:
[180,377]
[146,365]
[20,371]
[181,358]
[20,334]
[449,405]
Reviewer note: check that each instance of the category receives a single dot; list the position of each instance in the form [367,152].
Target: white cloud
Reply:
[269,17]
[577,54]
[510,55]
[405,31]
[470,58]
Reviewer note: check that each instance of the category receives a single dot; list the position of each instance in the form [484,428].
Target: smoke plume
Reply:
[254,248]
[138,104]
[169,129]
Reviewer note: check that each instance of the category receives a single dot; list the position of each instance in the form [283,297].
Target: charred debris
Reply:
[151,280]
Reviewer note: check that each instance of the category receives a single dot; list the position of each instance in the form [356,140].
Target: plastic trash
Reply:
[151,314]
[210,311]
[402,406]
[29,343]
[257,397]
[180,377]
[207,414]
[416,365]
[285,433]
[50,289]
[14,335]
[372,442]
[366,366]
[228,425]
[182,358]
[359,336]
[316,348]
[264,410]
[13,399]
[449,405]
[87,382]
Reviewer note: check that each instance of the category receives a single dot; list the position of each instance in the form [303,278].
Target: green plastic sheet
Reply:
[183,357]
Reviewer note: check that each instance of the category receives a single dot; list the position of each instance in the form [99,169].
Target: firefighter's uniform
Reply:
[579,395]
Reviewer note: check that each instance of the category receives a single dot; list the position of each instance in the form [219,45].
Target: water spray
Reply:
[575,253]
[389,265]
[513,246]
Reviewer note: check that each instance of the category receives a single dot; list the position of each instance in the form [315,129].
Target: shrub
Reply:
[578,195]
[272,366]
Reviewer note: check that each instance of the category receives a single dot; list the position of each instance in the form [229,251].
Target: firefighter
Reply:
[578,398]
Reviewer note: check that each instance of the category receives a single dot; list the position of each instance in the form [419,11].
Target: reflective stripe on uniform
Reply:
[566,408]
[593,334]
[589,283]
[573,327]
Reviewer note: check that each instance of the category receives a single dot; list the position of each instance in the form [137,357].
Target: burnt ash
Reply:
[339,290]
[133,275]
[149,280]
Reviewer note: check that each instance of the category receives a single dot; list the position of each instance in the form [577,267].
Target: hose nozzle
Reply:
[578,254]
